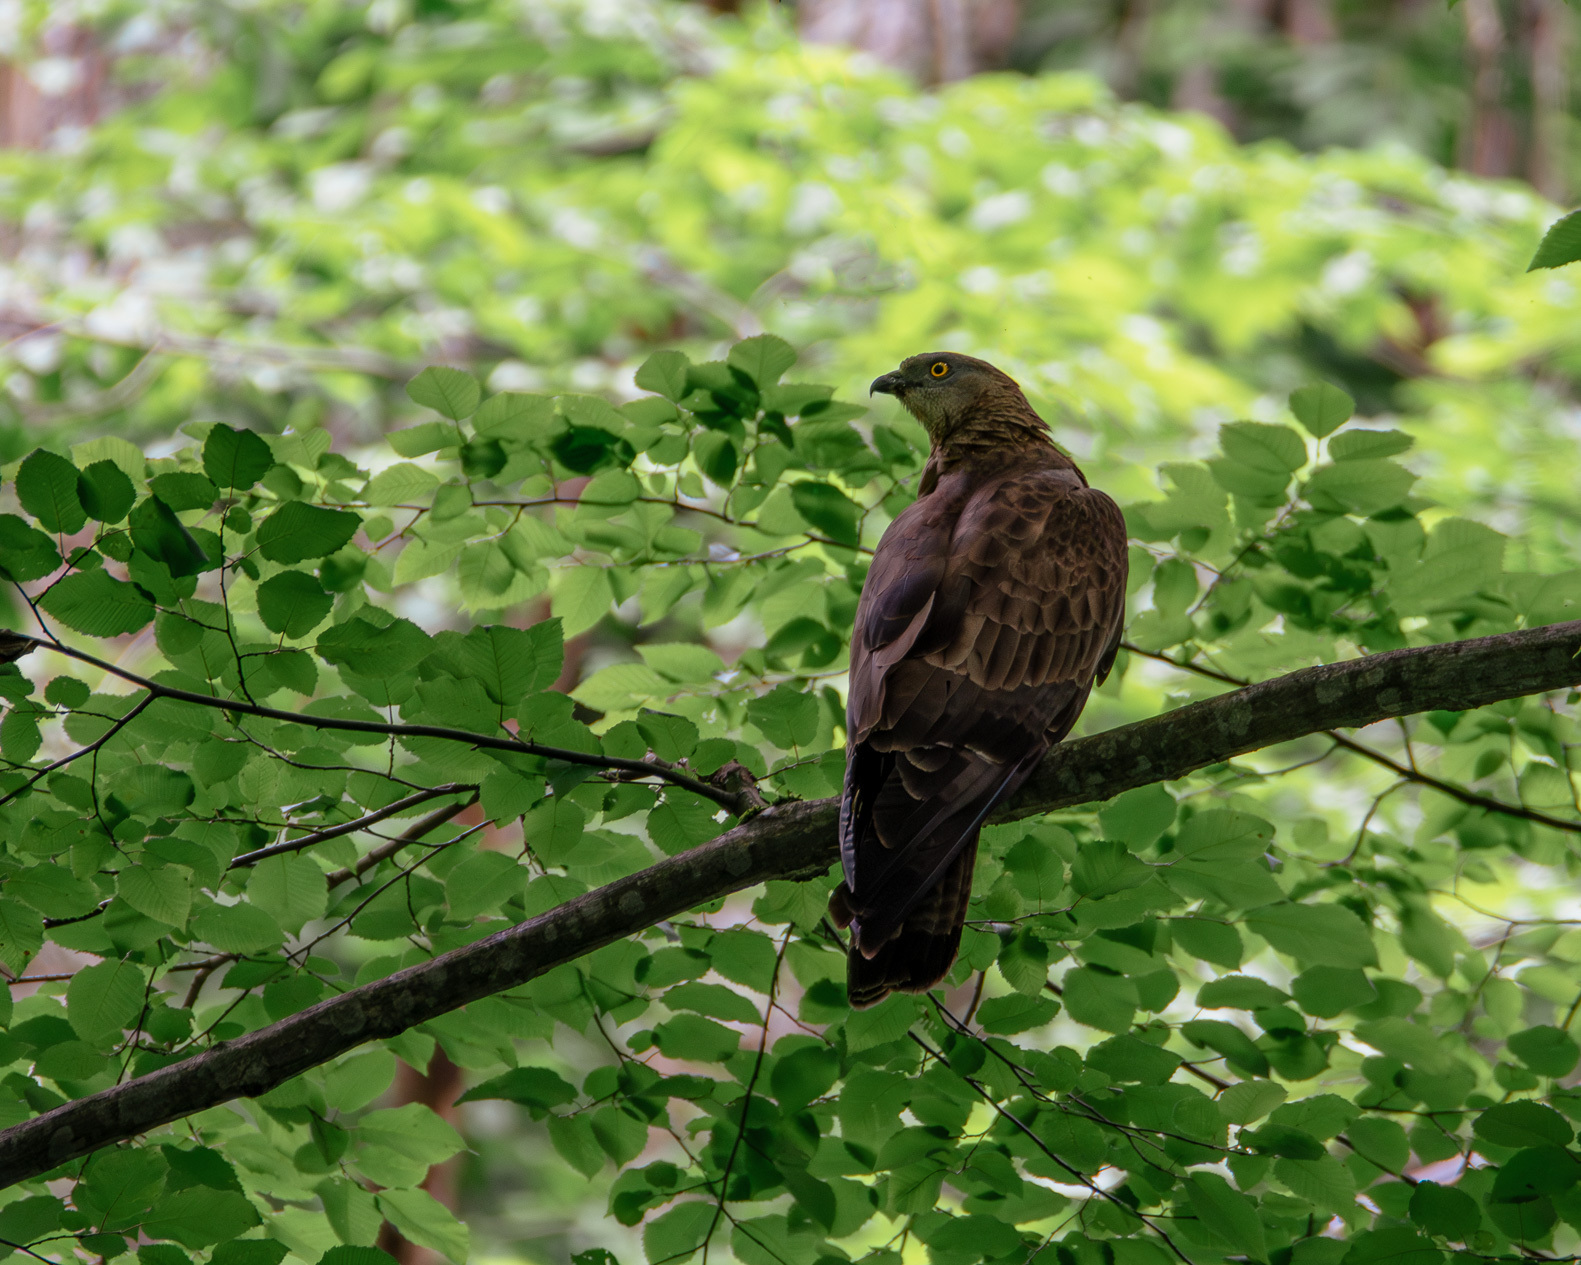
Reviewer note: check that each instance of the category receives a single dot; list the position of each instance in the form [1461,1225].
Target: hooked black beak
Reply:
[887,384]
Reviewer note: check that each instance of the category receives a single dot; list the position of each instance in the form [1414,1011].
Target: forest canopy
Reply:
[437,489]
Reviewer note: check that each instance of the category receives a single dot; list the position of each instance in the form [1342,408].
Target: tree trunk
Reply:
[1488,147]
[1549,33]
[936,41]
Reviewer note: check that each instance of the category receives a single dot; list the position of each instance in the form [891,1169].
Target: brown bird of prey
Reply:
[993,605]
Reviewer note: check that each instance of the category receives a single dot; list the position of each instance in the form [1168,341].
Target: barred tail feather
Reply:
[919,953]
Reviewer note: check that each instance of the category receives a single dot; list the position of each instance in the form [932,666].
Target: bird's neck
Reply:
[984,457]
[995,439]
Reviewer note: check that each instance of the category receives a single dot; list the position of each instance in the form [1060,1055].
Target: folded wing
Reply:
[989,612]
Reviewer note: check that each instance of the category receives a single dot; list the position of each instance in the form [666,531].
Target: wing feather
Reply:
[991,607]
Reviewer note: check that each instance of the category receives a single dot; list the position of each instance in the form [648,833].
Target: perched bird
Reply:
[993,605]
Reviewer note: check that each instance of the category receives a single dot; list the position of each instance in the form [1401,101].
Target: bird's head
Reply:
[947,392]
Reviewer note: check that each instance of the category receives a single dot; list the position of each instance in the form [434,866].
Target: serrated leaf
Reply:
[46,484]
[293,603]
[163,893]
[664,373]
[104,999]
[762,358]
[1226,1212]
[1561,244]
[105,492]
[1321,408]
[235,458]
[92,602]
[425,1221]
[297,532]
[447,391]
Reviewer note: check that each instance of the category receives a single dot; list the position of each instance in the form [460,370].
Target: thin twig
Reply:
[487,742]
[362,823]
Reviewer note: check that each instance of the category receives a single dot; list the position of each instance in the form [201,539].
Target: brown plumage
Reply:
[993,604]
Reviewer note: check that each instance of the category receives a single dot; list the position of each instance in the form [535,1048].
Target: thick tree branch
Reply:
[1404,772]
[788,841]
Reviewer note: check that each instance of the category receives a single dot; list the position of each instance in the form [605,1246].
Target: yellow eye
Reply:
[939,369]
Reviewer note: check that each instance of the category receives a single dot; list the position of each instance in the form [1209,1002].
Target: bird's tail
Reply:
[920,952]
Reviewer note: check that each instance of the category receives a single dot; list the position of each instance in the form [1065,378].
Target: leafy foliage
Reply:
[219,822]
[1333,982]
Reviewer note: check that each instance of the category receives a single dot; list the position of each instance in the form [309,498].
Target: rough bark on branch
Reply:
[795,840]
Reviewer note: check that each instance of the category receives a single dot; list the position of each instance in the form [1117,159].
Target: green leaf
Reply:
[46,484]
[425,1221]
[1523,1123]
[1099,1000]
[415,441]
[368,650]
[1321,408]
[482,883]
[184,490]
[1547,1050]
[1393,1245]
[572,1137]
[1242,992]
[93,603]
[1138,817]
[536,1088]
[1276,449]
[696,1038]
[25,552]
[289,888]
[1326,991]
[199,1217]
[1125,1058]
[297,532]
[249,1252]
[675,1237]
[235,458]
[888,1021]
[1364,486]
[236,929]
[1561,244]
[664,373]
[293,603]
[1363,444]
[1381,1141]
[787,717]
[447,391]
[1225,1212]
[105,492]
[348,1254]
[1444,1211]
[1249,1101]
[157,532]
[715,1000]
[512,663]
[828,509]
[1323,935]
[399,484]
[1103,868]
[163,893]
[762,358]
[800,1077]
[104,999]
[1016,1013]
[1229,1041]
[21,934]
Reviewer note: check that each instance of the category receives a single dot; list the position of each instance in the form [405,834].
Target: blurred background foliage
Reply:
[1159,216]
